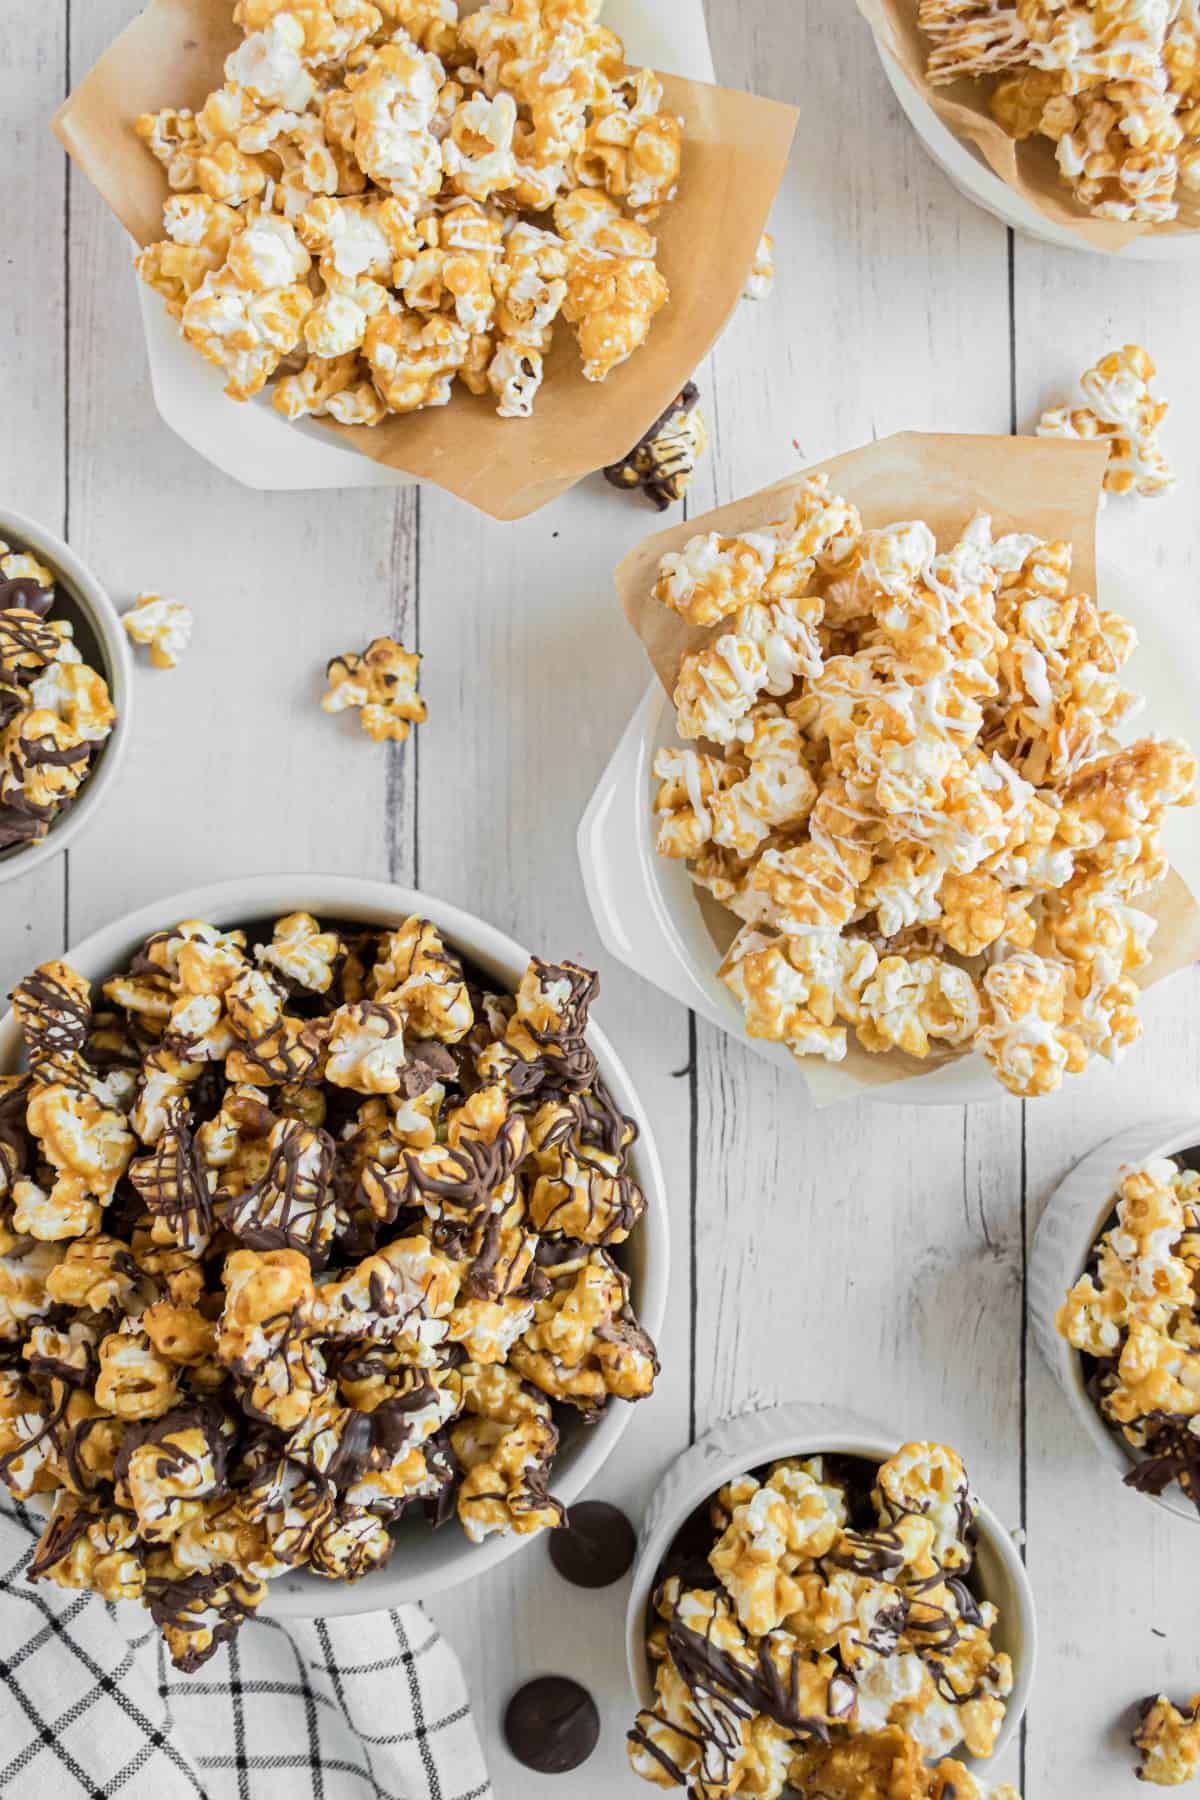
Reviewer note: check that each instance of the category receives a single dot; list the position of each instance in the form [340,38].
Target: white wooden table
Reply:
[868,1255]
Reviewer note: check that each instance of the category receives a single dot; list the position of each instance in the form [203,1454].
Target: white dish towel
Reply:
[367,1708]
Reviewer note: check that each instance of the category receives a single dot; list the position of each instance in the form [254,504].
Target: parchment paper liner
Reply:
[1043,485]
[1029,168]
[735,152]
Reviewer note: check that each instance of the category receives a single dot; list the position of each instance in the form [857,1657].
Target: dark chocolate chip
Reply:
[552,1725]
[595,1547]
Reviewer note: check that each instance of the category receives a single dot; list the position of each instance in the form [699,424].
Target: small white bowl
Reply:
[102,643]
[424,1562]
[809,1429]
[1076,1214]
[974,178]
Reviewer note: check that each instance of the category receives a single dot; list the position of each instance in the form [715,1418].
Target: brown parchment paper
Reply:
[735,152]
[1048,486]
[1027,167]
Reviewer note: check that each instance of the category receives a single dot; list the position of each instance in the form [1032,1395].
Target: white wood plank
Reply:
[1106,1563]
[32,458]
[233,766]
[869,1256]
[524,710]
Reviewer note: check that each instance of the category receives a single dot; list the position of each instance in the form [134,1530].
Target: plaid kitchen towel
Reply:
[365,1708]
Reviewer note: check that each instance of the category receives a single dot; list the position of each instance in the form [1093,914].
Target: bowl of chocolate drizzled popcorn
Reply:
[65,689]
[333,1241]
[820,1611]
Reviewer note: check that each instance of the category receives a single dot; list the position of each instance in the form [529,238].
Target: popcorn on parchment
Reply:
[905,752]
[760,283]
[364,135]
[1168,1741]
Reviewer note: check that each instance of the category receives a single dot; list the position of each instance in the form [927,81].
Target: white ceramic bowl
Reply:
[802,1429]
[424,1562]
[1076,1214]
[962,164]
[103,644]
[646,907]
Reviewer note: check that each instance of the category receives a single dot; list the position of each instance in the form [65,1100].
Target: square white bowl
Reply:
[259,447]
[977,181]
[646,907]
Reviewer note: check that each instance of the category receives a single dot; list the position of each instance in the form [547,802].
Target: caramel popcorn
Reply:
[163,626]
[1109,85]
[1168,1741]
[302,1228]
[1132,1315]
[410,153]
[839,1647]
[1120,408]
[899,774]
[382,685]
[55,710]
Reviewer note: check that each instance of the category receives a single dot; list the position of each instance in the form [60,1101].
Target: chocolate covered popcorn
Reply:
[384,199]
[1134,1317]
[663,461]
[301,1230]
[1114,88]
[55,710]
[900,769]
[1119,407]
[818,1630]
[381,685]
[1168,1741]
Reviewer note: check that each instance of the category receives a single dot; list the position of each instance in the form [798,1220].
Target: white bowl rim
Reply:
[90,596]
[970,172]
[346,896]
[1176,1132]
[809,1428]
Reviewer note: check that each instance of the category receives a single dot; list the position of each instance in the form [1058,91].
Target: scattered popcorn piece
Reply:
[1111,88]
[163,626]
[841,1646]
[1168,1741]
[382,683]
[760,282]
[1121,409]
[400,146]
